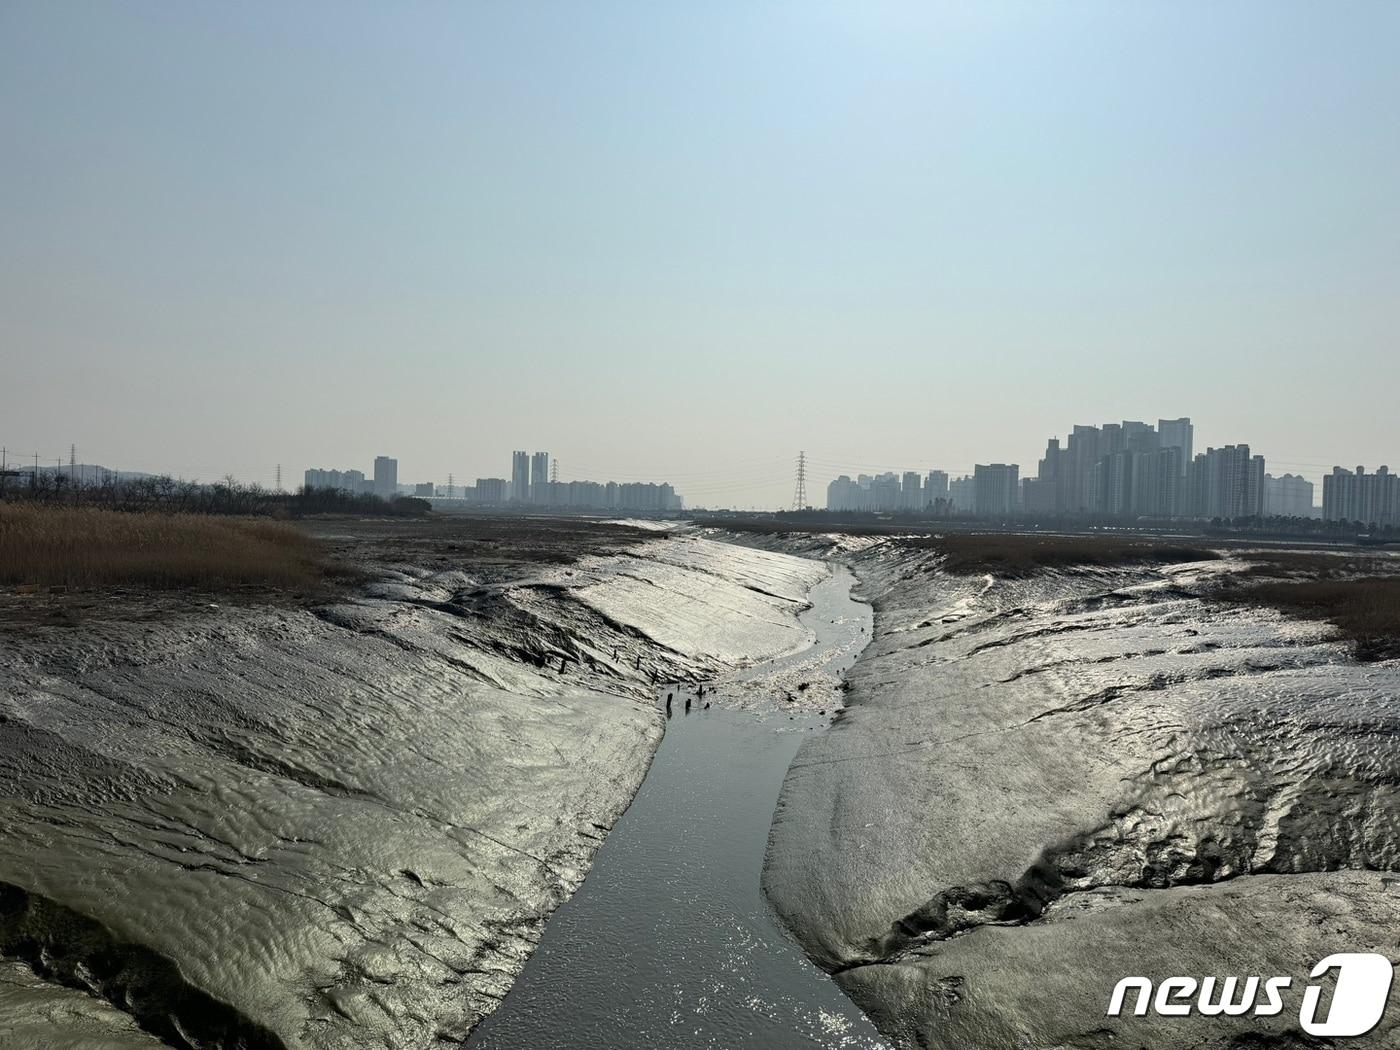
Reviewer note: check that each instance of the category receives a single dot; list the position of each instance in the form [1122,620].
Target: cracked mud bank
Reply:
[1041,786]
[342,826]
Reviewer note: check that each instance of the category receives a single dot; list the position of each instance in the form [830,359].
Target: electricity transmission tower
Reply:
[554,471]
[799,497]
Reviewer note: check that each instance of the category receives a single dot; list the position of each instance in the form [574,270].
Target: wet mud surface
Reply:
[1043,785]
[344,822]
[343,825]
[670,941]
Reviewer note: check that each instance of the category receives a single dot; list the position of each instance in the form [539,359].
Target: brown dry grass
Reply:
[1359,594]
[1003,553]
[1013,554]
[84,547]
[1367,611]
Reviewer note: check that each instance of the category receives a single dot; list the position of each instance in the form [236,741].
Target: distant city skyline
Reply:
[530,486]
[686,241]
[1283,486]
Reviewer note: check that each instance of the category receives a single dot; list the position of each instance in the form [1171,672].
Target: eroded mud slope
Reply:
[1041,786]
[339,827]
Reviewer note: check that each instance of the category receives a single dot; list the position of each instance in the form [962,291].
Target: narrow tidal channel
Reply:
[670,942]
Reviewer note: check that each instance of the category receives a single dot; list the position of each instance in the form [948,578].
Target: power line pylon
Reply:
[554,471]
[799,497]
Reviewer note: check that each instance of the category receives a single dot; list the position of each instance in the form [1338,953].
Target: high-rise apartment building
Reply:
[936,486]
[1177,433]
[995,488]
[519,476]
[1139,437]
[962,492]
[539,478]
[840,494]
[1227,483]
[1116,483]
[884,492]
[1288,496]
[1373,499]
[911,492]
[1157,483]
[386,476]
[1077,478]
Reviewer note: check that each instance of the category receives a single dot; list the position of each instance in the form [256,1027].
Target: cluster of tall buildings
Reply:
[1128,470]
[1358,496]
[531,483]
[384,482]
[888,492]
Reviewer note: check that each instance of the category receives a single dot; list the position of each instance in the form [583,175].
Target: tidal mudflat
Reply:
[670,941]
[345,823]
[1050,780]
[346,820]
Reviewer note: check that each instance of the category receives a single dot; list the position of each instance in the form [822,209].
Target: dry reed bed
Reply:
[84,547]
[1357,593]
[1019,555]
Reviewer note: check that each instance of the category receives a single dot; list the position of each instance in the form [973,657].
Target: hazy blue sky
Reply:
[686,240]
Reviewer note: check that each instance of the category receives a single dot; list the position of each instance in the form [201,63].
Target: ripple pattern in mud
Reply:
[1013,746]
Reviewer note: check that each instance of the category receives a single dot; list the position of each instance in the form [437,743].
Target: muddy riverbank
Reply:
[670,941]
[1043,785]
[345,824]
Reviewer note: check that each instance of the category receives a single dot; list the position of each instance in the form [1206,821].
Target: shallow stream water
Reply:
[670,941]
